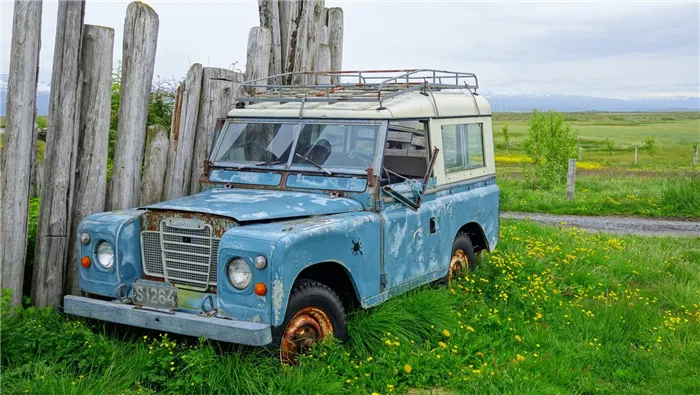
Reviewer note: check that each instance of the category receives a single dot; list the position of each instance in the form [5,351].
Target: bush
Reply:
[550,143]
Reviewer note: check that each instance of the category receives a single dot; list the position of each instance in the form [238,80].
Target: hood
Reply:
[251,205]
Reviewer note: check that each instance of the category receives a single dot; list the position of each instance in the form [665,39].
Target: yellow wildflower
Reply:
[442,344]
[407,368]
[470,329]
[519,357]
[446,332]
[518,338]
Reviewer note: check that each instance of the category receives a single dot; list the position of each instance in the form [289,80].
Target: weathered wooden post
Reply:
[335,39]
[635,154]
[15,155]
[55,211]
[571,179]
[269,11]
[155,161]
[181,167]
[695,155]
[174,132]
[324,63]
[93,138]
[258,55]
[218,96]
[289,12]
[138,61]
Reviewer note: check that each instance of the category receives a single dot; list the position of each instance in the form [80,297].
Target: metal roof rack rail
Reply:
[352,86]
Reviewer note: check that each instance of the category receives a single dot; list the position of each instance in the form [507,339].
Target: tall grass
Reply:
[552,311]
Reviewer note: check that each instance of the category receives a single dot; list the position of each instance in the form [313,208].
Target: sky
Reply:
[606,49]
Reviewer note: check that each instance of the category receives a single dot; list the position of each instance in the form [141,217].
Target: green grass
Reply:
[552,311]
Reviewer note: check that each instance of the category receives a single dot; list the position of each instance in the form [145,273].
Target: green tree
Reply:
[609,145]
[506,136]
[550,143]
[650,146]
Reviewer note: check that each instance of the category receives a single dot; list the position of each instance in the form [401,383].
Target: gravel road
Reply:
[628,225]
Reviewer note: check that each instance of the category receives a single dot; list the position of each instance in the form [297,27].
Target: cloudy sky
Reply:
[621,50]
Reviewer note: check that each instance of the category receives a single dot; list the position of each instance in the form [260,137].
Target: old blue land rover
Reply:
[340,192]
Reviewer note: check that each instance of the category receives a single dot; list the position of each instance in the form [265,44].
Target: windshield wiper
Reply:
[268,163]
[313,163]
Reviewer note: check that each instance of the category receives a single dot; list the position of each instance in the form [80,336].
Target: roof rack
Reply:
[352,86]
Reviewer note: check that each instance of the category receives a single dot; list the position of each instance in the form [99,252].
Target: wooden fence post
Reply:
[571,179]
[138,61]
[270,19]
[155,161]
[55,212]
[324,63]
[184,144]
[174,132]
[695,156]
[289,19]
[635,154]
[15,155]
[93,138]
[258,55]
[335,39]
[218,96]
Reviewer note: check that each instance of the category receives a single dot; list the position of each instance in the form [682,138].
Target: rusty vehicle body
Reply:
[316,198]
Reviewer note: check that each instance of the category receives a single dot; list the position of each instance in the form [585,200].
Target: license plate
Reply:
[155,294]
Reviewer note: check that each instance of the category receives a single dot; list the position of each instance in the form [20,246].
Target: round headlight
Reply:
[260,262]
[84,237]
[239,273]
[105,255]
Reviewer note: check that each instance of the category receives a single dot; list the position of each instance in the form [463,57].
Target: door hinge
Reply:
[383,278]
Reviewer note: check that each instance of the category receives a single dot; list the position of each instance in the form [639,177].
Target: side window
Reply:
[463,147]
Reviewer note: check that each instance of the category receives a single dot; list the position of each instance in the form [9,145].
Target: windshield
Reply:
[316,146]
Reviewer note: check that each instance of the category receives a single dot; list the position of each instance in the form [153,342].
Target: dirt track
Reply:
[628,225]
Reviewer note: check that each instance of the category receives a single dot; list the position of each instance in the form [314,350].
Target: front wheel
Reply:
[314,312]
[462,257]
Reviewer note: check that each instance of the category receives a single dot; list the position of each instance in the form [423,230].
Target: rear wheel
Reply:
[314,313]
[461,259]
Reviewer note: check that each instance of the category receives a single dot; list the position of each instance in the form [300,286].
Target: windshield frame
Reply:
[298,124]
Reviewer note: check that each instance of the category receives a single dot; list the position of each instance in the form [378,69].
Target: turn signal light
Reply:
[260,289]
[85,262]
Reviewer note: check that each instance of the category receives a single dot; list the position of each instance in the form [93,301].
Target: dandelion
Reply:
[388,342]
[518,338]
[171,369]
[470,329]
[446,332]
[519,358]
[442,344]
[407,368]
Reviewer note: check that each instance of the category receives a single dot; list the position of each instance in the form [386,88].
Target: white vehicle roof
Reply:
[396,94]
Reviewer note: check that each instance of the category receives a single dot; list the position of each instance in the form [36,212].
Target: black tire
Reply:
[464,243]
[309,293]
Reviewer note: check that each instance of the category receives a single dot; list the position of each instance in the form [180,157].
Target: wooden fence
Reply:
[150,164]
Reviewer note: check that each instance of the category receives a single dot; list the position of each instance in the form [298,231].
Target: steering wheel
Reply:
[261,148]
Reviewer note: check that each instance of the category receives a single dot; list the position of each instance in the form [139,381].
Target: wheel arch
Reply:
[335,276]
[476,235]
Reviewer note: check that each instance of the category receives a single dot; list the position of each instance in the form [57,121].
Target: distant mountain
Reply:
[500,101]
[519,101]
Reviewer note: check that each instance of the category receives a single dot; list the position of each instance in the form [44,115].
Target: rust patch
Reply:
[151,220]
[308,326]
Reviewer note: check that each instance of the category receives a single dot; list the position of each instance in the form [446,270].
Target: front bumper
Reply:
[241,332]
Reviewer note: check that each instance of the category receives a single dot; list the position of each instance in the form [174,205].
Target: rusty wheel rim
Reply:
[308,326]
[458,264]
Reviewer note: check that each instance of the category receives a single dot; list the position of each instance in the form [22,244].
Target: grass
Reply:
[552,311]
[608,182]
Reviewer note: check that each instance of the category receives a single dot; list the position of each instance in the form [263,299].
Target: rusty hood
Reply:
[255,205]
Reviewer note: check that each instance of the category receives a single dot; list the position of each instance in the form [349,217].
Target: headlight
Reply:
[239,273]
[105,255]
[260,262]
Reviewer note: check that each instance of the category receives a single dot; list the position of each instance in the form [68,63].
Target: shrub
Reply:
[550,143]
[650,146]
[506,137]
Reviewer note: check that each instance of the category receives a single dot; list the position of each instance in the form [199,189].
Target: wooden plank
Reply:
[571,179]
[312,37]
[399,137]
[93,138]
[55,213]
[15,155]
[218,97]
[418,141]
[324,63]
[258,56]
[138,61]
[289,22]
[335,38]
[305,28]
[174,133]
[155,162]
[181,166]
[270,19]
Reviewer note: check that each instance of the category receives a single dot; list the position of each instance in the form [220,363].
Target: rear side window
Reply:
[463,147]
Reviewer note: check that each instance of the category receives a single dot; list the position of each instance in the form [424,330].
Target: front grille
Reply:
[185,257]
